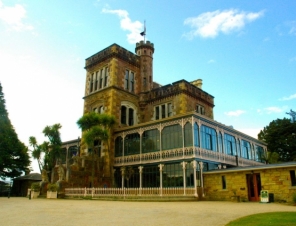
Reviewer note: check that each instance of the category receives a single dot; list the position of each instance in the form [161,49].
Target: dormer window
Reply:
[163,111]
[200,109]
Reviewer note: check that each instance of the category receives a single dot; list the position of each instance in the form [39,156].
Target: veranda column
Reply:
[194,164]
[184,176]
[140,172]
[201,178]
[160,174]
[122,169]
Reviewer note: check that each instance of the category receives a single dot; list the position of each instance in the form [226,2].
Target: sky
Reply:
[244,51]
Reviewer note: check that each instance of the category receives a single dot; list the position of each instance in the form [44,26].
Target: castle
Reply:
[165,136]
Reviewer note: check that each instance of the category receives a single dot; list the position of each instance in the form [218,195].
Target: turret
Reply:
[145,50]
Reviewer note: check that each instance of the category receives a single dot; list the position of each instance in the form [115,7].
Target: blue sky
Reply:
[244,51]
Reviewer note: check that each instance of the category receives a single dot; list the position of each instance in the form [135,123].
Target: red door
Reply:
[254,186]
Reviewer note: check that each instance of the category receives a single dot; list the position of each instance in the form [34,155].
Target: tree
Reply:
[14,157]
[39,151]
[95,127]
[280,136]
[52,149]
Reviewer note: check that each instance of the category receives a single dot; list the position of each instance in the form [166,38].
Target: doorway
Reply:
[254,186]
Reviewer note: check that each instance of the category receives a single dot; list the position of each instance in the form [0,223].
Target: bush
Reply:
[52,187]
[35,186]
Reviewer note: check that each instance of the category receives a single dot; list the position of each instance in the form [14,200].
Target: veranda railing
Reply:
[122,192]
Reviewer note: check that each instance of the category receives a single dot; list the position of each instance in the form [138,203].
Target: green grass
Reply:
[262,219]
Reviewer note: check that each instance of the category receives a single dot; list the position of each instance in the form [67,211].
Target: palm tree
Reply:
[52,149]
[37,151]
[95,127]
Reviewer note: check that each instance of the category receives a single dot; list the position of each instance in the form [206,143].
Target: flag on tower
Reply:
[143,32]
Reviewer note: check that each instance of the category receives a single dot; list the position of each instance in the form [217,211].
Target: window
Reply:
[127,115]
[157,112]
[101,79]
[96,82]
[246,149]
[200,109]
[130,116]
[129,81]
[132,81]
[118,146]
[223,182]
[259,155]
[220,142]
[172,137]
[208,138]
[101,110]
[151,141]
[91,83]
[123,115]
[106,77]
[293,177]
[170,110]
[196,135]
[163,111]
[230,144]
[98,79]
[98,147]
[188,134]
[132,144]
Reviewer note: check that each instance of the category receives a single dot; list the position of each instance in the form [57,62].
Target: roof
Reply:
[31,176]
[248,168]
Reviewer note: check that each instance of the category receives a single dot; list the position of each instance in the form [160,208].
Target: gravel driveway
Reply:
[22,211]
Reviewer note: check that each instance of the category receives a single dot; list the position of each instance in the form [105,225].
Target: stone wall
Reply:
[275,180]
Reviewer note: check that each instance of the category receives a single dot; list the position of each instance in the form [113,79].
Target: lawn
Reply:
[262,219]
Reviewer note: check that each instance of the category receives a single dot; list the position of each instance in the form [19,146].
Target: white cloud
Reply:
[210,24]
[211,61]
[292,25]
[13,17]
[135,28]
[293,96]
[253,132]
[271,110]
[234,113]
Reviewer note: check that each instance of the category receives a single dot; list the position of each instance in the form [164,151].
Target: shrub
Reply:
[52,187]
[35,186]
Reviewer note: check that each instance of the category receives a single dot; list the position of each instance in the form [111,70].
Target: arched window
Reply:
[209,138]
[196,135]
[171,137]
[101,110]
[132,144]
[220,142]
[130,116]
[123,115]
[150,141]
[188,134]
[230,144]
[246,149]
